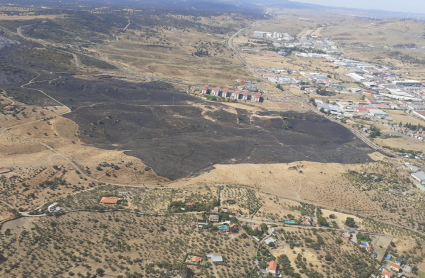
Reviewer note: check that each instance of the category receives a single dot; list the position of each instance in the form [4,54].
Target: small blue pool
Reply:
[290,222]
[222,227]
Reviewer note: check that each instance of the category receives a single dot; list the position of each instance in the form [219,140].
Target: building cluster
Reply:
[416,173]
[394,266]
[316,45]
[281,79]
[273,35]
[247,92]
[350,109]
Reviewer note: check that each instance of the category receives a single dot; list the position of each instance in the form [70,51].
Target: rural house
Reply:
[257,97]
[224,93]
[245,95]
[215,92]
[54,207]
[205,89]
[276,229]
[387,274]
[273,268]
[196,260]
[214,218]
[395,267]
[109,201]
[236,94]
[9,108]
[4,170]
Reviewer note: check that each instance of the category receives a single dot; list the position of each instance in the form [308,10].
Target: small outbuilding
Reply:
[215,258]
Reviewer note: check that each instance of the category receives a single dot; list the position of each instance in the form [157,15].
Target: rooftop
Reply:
[109,200]
[215,258]
[272,266]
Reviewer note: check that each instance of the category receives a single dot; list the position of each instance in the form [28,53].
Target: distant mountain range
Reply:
[232,6]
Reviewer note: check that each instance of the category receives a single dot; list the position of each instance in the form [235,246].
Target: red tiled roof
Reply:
[258,95]
[245,93]
[109,200]
[196,259]
[225,90]
[388,273]
[190,204]
[205,87]
[9,107]
[272,266]
[4,170]
[363,109]
[396,266]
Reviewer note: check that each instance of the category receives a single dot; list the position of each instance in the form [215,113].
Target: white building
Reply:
[419,176]
[356,77]
[54,208]
[260,34]
[409,83]
[378,113]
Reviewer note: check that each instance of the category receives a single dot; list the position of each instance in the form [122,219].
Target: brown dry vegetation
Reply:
[118,242]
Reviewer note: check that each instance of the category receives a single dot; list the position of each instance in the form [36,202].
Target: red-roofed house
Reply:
[4,170]
[205,89]
[109,200]
[236,94]
[257,97]
[215,92]
[9,108]
[387,274]
[197,260]
[240,80]
[245,95]
[273,267]
[395,267]
[189,204]
[224,93]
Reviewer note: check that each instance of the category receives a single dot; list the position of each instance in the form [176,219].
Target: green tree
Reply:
[100,272]
[322,221]
[350,222]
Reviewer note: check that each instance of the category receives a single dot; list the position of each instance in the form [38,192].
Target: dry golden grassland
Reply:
[168,54]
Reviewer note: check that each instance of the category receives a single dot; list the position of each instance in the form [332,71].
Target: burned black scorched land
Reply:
[179,135]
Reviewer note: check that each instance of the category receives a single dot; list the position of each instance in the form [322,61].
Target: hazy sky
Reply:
[413,6]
